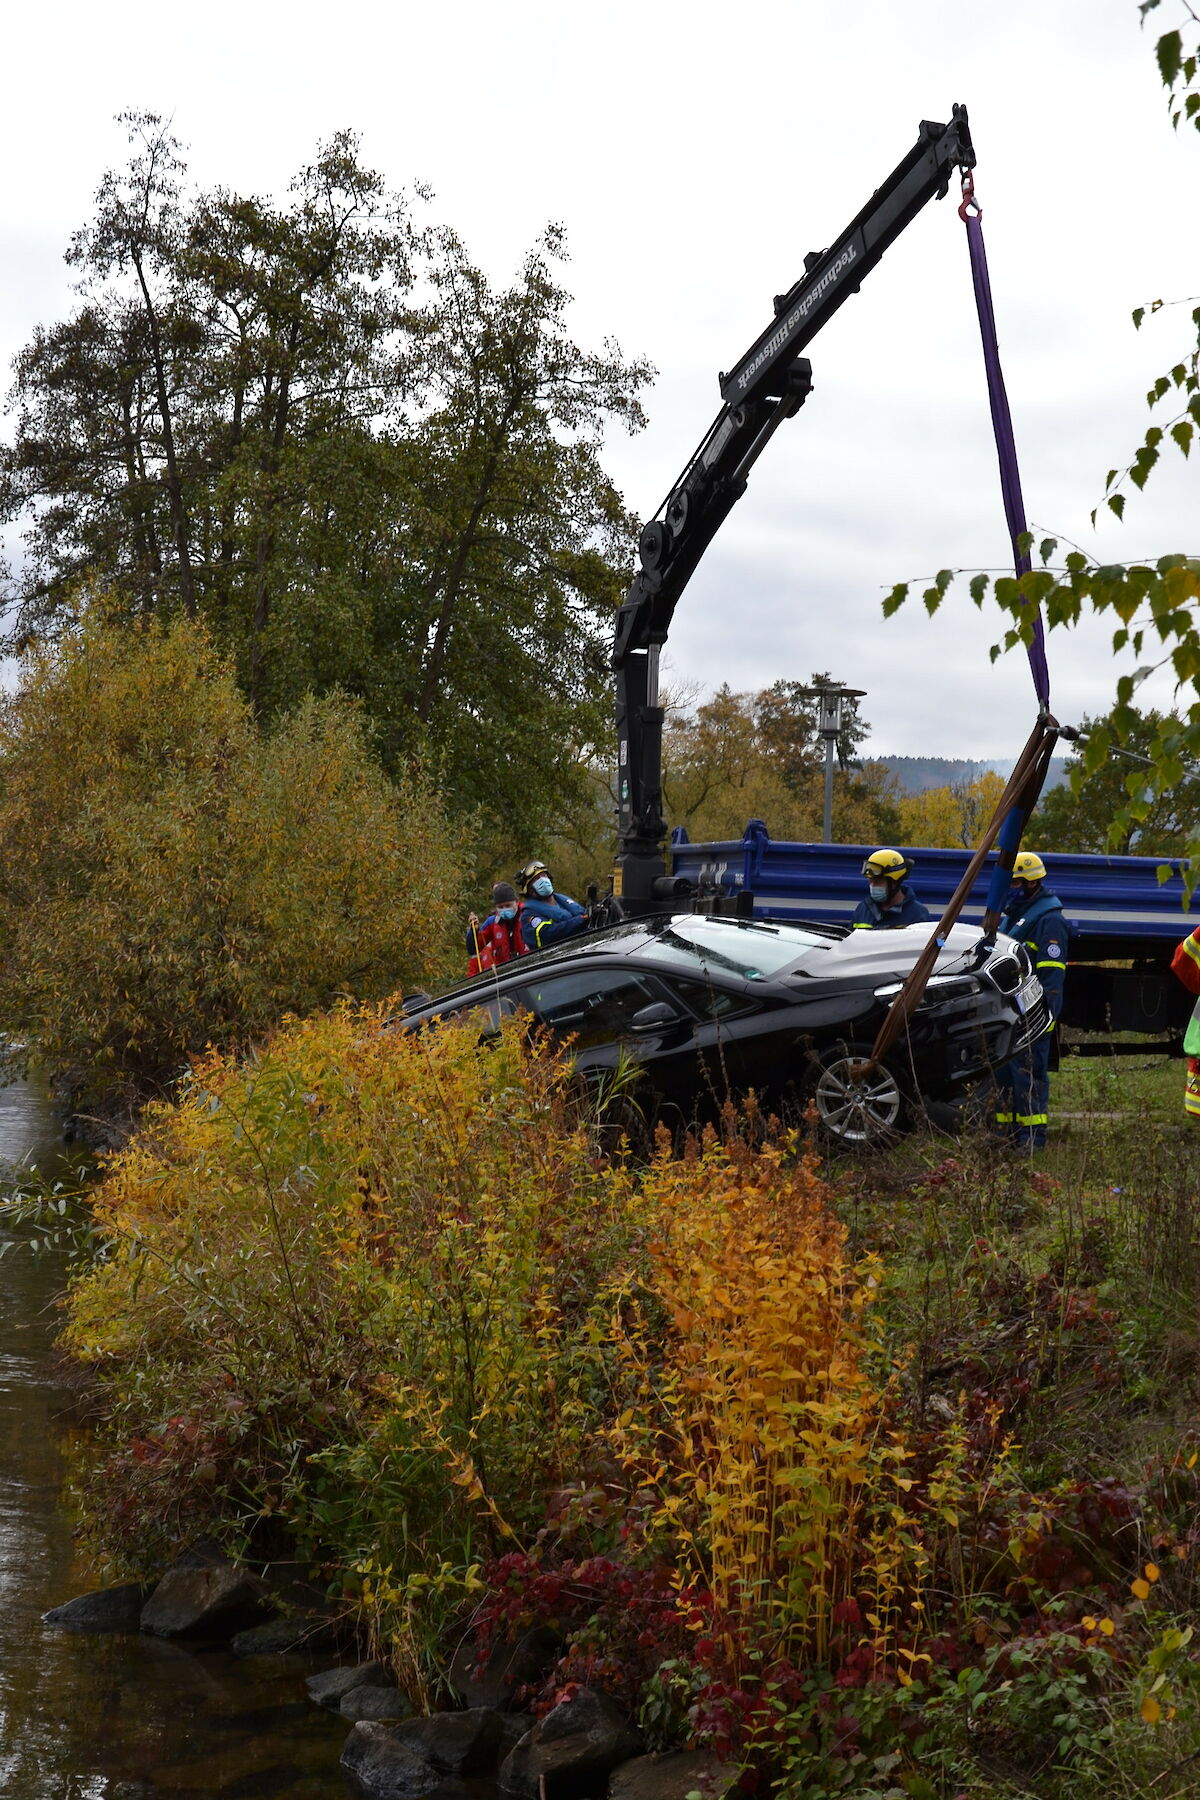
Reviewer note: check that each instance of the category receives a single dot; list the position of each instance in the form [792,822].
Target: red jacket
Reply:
[1186,962]
[499,941]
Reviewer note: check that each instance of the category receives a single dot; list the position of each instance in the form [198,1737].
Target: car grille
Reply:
[1007,973]
[1033,1025]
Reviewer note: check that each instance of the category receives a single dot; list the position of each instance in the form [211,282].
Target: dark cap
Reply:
[504,893]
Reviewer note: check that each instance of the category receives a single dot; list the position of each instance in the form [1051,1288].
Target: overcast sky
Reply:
[695,153]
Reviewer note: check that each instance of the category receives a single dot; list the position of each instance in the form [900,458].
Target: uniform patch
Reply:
[1054,949]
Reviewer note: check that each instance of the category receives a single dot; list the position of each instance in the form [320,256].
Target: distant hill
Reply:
[917,773]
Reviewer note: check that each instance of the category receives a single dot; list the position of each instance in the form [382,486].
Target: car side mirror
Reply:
[655,1017]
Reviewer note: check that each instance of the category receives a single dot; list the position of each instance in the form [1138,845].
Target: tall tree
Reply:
[514,544]
[326,434]
[134,237]
[217,338]
[744,756]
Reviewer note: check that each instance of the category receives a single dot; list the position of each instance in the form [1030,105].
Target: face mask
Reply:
[506,912]
[878,892]
[543,886]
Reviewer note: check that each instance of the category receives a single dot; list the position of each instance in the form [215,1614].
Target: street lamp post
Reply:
[831,703]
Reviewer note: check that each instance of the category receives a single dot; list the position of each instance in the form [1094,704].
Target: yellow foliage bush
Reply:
[369,1296]
[755,1421]
[173,876]
[351,1278]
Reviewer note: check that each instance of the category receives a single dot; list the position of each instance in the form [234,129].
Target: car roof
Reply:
[630,936]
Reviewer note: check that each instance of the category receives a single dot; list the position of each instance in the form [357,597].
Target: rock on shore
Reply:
[570,1753]
[109,1609]
[216,1599]
[421,1756]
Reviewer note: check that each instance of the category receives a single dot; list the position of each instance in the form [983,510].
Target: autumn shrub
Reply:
[172,875]
[345,1309]
[371,1301]
[756,1421]
[370,1297]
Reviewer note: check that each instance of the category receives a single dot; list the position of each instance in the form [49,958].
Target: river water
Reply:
[112,1717]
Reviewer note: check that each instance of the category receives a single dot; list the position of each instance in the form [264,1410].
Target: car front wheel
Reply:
[856,1110]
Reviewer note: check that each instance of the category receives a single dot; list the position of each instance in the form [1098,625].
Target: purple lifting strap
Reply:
[1006,449]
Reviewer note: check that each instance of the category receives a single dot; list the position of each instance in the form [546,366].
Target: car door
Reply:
[599,1008]
[723,1055]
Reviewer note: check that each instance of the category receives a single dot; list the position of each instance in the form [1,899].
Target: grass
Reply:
[1149,1086]
[1066,1283]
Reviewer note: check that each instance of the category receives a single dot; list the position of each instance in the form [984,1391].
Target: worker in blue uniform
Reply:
[546,915]
[1033,915]
[890,901]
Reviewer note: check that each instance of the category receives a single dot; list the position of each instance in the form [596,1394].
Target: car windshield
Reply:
[749,949]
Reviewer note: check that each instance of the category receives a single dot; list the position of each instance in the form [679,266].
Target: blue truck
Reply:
[1124,921]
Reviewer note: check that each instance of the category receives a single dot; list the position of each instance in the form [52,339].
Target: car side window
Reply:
[707,1001]
[484,1010]
[594,1005]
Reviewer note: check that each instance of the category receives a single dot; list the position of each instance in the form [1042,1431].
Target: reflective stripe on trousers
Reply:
[1023,1096]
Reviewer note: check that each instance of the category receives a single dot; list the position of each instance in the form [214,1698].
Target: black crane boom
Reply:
[769,384]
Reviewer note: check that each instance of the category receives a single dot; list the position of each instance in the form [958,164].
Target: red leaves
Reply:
[620,1620]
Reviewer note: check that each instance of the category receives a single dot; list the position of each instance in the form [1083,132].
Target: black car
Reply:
[710,1007]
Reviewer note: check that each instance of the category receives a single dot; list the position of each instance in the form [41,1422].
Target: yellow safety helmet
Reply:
[529,874]
[886,865]
[1029,867]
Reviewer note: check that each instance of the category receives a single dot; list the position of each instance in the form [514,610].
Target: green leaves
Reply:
[1177,65]
[1169,55]
[933,596]
[384,476]
[1155,604]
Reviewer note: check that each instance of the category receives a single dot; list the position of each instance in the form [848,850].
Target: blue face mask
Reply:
[506,912]
[543,887]
[878,892]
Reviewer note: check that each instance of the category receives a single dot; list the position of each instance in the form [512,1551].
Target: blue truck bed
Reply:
[1104,897]
[1117,909]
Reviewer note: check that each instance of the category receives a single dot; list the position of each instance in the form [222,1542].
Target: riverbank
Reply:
[129,1718]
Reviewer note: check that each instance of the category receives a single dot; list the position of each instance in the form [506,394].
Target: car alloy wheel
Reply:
[858,1113]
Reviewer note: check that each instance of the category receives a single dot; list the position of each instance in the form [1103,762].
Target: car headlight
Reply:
[938,987]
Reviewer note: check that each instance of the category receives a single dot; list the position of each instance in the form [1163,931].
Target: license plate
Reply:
[1030,994]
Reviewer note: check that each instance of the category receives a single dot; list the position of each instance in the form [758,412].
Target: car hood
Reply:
[877,955]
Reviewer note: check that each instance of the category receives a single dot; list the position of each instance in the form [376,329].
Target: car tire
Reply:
[867,1114]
